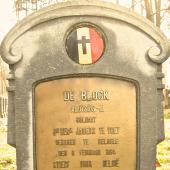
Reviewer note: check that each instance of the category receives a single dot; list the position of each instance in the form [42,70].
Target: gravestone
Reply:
[85,88]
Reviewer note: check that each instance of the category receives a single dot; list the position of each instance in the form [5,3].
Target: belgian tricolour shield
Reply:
[85,45]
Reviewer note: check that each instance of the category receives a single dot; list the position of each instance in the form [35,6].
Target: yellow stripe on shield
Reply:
[84,46]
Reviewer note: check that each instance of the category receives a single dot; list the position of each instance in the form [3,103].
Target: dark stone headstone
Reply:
[85,88]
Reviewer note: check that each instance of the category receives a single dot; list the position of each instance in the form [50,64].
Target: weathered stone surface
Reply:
[36,52]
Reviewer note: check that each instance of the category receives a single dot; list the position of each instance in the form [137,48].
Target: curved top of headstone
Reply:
[86,8]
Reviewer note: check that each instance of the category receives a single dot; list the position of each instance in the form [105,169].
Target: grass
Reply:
[163,149]
[7,157]
[7,153]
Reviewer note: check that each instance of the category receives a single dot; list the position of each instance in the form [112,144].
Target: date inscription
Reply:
[85,123]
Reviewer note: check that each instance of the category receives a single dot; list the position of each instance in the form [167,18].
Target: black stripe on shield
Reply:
[72,46]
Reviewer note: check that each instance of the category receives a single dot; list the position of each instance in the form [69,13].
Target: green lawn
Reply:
[8,159]
[163,150]
[7,153]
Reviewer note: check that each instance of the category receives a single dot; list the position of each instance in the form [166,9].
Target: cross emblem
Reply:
[85,45]
[84,41]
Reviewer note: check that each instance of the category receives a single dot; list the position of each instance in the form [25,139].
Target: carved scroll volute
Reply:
[159,53]
[10,55]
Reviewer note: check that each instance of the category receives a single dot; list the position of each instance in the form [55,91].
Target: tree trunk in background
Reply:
[133,5]
[152,7]
[158,12]
[149,10]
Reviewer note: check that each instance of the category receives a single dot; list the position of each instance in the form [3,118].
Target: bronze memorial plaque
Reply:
[85,123]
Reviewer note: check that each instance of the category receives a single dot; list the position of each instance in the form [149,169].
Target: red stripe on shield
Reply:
[97,45]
